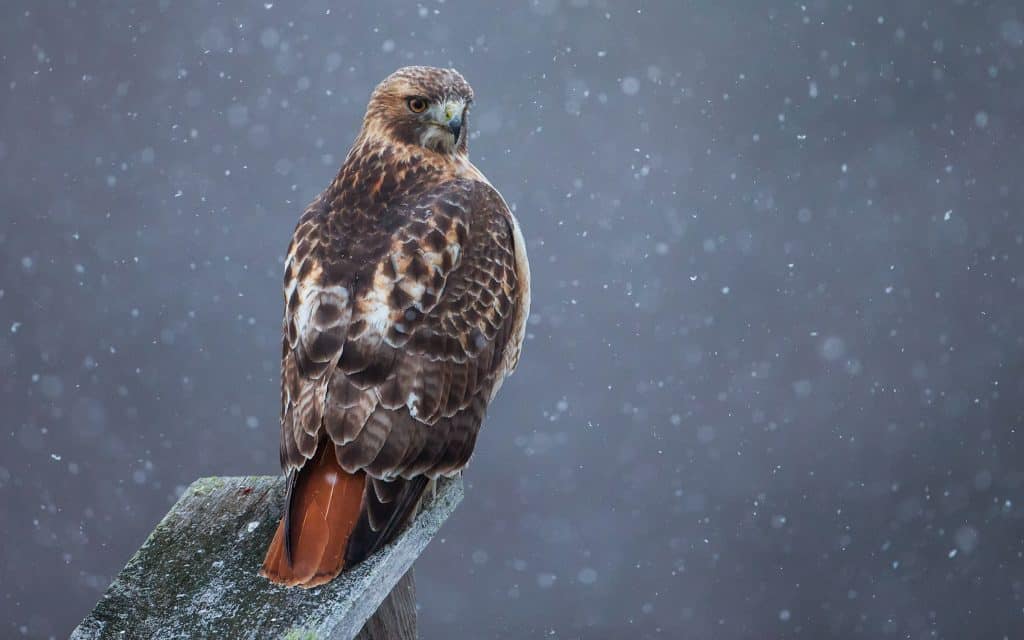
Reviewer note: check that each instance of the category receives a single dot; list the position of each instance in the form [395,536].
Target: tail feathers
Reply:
[388,507]
[334,520]
[322,509]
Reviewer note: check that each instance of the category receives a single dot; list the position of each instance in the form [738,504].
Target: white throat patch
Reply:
[437,136]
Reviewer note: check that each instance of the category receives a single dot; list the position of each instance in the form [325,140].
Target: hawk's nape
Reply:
[406,297]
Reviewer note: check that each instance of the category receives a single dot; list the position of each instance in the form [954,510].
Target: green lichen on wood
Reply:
[204,486]
[196,574]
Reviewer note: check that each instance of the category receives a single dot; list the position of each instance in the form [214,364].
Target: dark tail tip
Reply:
[387,510]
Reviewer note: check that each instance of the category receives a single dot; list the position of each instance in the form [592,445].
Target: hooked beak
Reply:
[455,126]
[453,118]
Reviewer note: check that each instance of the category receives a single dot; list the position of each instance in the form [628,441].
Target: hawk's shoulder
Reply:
[455,229]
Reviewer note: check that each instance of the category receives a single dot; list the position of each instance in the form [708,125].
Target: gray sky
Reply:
[773,378]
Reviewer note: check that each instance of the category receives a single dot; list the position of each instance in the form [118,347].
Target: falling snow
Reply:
[771,385]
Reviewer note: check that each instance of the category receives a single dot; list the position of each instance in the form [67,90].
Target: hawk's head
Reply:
[423,106]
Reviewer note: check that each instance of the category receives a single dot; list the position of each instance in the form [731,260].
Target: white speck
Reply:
[812,89]
[218,564]
[480,557]
[379,316]
[948,215]
[833,348]
[725,291]
[802,388]
[15,326]
[951,554]
[54,456]
[252,526]
[630,86]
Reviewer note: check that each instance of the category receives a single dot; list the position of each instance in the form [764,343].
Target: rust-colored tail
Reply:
[321,512]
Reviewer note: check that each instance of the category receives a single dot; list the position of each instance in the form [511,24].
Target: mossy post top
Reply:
[196,574]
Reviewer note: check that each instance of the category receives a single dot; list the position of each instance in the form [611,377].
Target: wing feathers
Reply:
[395,335]
[388,518]
[359,453]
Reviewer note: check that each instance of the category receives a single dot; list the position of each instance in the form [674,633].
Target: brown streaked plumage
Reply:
[406,297]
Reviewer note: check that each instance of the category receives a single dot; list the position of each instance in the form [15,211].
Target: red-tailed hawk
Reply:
[406,293]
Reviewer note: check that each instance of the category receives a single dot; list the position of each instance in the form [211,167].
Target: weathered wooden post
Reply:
[195,576]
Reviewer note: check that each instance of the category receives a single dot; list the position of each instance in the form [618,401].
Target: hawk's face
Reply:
[423,106]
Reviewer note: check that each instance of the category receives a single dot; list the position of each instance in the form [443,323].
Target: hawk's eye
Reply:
[417,105]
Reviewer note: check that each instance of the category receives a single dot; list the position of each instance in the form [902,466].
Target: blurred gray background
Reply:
[773,381]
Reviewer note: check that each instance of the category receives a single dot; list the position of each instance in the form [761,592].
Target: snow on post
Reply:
[196,574]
